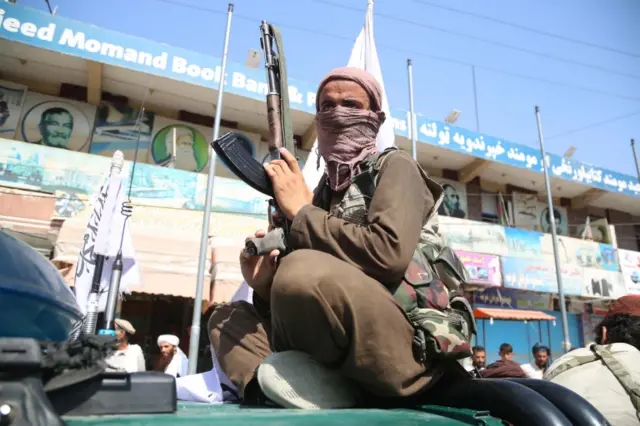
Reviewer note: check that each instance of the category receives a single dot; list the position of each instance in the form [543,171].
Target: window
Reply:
[489,202]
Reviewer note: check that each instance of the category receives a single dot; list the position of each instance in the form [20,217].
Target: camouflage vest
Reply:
[603,353]
[430,291]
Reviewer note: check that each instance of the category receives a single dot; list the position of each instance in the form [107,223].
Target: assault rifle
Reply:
[232,153]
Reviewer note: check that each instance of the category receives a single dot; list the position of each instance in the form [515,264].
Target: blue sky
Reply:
[585,75]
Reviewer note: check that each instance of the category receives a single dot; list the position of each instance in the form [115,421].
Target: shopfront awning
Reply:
[166,242]
[511,314]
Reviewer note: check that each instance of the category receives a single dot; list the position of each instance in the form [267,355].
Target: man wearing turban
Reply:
[172,360]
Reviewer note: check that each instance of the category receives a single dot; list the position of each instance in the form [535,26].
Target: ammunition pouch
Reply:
[441,316]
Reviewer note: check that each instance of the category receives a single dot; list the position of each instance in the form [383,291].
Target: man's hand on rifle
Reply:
[258,271]
[290,190]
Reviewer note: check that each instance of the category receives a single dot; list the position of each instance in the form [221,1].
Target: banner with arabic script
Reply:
[513,299]
[488,147]
[483,269]
[475,237]
[630,266]
[532,275]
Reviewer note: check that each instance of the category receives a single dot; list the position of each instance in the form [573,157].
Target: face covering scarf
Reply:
[346,136]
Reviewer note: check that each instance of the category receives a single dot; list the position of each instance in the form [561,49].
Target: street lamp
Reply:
[570,151]
[452,117]
[253,59]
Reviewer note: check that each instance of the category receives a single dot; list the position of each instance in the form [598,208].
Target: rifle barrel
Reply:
[269,61]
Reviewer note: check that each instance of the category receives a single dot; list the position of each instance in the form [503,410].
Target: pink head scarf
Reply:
[347,136]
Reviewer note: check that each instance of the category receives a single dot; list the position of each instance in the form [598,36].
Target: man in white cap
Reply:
[172,360]
[128,357]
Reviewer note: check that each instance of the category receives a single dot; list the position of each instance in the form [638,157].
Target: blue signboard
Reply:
[524,157]
[523,243]
[86,41]
[529,274]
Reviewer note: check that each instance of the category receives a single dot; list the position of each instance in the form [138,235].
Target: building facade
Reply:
[72,94]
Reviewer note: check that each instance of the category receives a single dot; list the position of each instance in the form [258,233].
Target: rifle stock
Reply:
[241,162]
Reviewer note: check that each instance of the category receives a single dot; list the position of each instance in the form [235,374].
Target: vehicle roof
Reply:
[231,415]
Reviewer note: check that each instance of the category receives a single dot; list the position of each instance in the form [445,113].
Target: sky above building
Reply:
[579,60]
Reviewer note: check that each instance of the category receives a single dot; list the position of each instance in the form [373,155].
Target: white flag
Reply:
[364,56]
[102,236]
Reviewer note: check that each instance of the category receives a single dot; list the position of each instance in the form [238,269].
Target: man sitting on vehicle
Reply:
[607,372]
[334,307]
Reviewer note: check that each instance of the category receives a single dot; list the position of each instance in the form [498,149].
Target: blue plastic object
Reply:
[35,301]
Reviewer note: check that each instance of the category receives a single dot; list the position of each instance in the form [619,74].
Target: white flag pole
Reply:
[635,158]
[412,113]
[97,228]
[194,341]
[174,146]
[563,308]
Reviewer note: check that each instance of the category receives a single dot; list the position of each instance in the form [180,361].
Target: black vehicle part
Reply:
[506,400]
[24,402]
[117,394]
[39,382]
[576,408]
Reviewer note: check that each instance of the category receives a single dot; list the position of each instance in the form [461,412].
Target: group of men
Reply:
[130,358]
[505,366]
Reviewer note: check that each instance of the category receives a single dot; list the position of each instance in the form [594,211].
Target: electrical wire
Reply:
[396,49]
[483,40]
[593,125]
[529,29]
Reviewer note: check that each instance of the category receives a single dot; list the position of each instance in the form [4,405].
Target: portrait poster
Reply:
[12,98]
[56,122]
[599,229]
[454,203]
[191,146]
[603,284]
[117,128]
[190,149]
[533,214]
[630,267]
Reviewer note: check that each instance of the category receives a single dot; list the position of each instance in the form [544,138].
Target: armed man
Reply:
[359,309]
